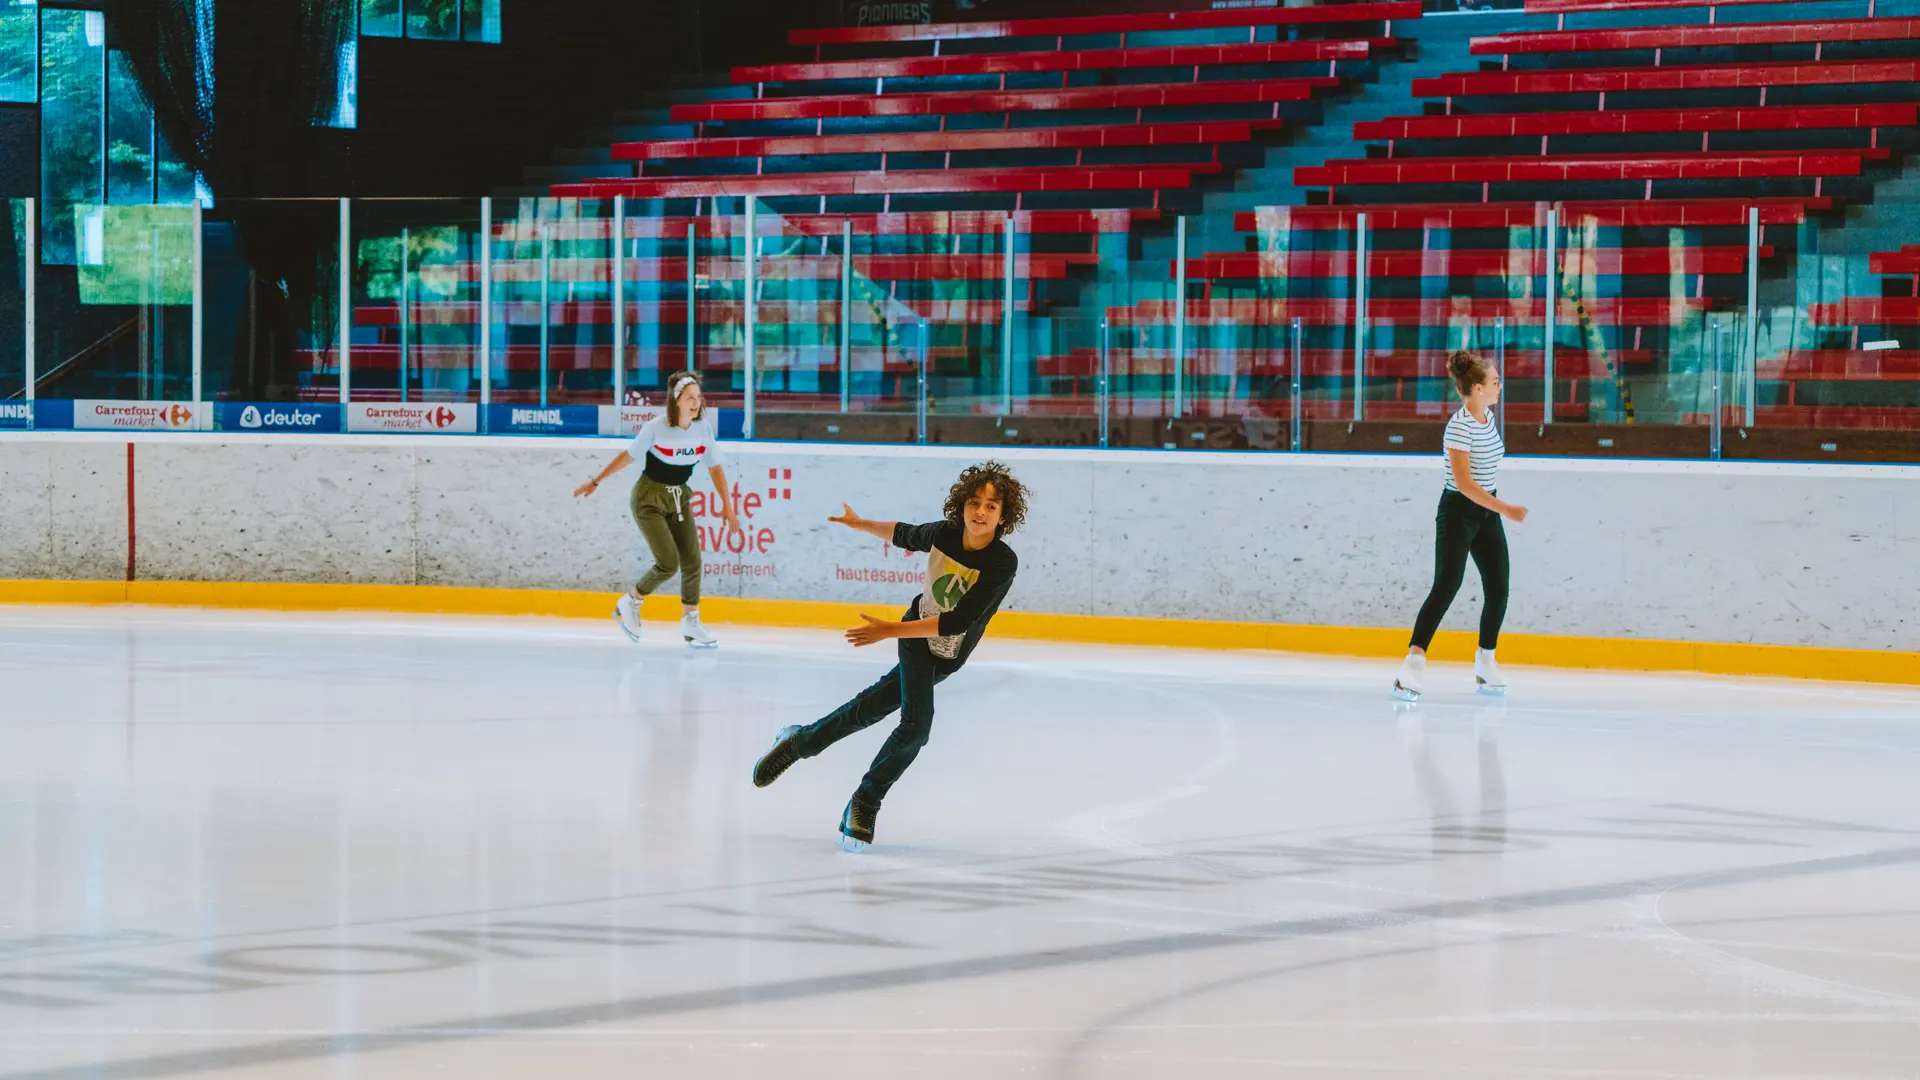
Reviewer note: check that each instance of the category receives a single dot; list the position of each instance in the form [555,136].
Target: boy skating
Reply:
[969,569]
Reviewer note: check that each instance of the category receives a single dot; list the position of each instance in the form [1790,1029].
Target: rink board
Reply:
[1668,565]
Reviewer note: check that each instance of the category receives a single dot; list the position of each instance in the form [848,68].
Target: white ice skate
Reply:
[1486,674]
[695,634]
[626,615]
[1406,684]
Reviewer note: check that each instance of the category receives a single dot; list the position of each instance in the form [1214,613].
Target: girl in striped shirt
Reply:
[1468,524]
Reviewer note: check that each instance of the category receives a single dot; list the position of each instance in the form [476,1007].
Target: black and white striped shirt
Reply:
[1482,443]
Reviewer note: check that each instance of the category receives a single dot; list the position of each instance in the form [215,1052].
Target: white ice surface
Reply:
[326,846]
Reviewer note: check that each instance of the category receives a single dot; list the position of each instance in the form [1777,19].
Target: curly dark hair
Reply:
[1012,494]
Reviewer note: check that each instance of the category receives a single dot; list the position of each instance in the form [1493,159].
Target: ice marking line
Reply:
[916,975]
[1780,980]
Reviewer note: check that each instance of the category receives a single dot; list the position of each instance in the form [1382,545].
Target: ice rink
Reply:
[329,846]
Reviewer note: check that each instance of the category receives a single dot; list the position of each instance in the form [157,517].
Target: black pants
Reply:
[908,688]
[1462,529]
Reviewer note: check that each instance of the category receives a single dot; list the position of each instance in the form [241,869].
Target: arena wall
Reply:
[1800,555]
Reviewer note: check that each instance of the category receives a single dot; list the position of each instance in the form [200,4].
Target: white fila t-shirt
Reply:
[671,453]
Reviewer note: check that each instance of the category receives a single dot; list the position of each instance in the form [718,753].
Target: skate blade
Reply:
[1490,691]
[631,636]
[848,843]
[1401,693]
[692,644]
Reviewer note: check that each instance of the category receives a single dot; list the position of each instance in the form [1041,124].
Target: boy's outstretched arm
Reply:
[852,520]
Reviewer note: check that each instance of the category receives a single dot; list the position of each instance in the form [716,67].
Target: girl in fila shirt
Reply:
[672,444]
[969,570]
[1468,524]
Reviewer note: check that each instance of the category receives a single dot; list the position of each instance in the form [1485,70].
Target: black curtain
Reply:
[246,122]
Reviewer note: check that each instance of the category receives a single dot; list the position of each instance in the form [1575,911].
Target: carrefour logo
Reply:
[253,419]
[442,416]
[177,416]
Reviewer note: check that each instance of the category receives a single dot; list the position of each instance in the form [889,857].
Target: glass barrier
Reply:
[1835,368]
[116,319]
[1620,328]
[418,320]
[551,302]
[271,314]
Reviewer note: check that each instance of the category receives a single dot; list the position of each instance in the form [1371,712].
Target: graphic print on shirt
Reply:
[947,583]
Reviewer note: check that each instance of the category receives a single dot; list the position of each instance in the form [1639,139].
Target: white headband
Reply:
[680,384]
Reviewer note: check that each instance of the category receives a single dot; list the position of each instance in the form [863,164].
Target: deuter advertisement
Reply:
[239,416]
[142,416]
[426,418]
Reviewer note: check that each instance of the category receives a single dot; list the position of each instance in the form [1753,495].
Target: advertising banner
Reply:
[428,418]
[16,414]
[241,416]
[625,420]
[544,419]
[142,416]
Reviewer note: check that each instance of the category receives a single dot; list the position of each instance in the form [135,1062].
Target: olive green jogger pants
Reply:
[666,520]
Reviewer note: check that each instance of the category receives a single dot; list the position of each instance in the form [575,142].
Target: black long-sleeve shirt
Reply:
[965,587]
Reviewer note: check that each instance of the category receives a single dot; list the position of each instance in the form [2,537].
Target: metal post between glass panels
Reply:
[750,367]
[1359,317]
[486,307]
[1103,393]
[1180,317]
[619,299]
[1006,318]
[1713,438]
[846,315]
[1749,358]
[199,301]
[546,309]
[406,336]
[1295,338]
[920,388]
[30,271]
[693,310]
[346,309]
[1552,309]
[1500,366]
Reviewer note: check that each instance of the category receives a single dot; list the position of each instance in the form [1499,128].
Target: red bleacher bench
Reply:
[1146,96]
[674,312]
[1867,311]
[1277,313]
[1817,31]
[1638,121]
[1111,24]
[1231,131]
[1677,213]
[930,67]
[915,223]
[915,267]
[1691,77]
[1010,181]
[1565,7]
[1842,364]
[1476,262]
[1662,166]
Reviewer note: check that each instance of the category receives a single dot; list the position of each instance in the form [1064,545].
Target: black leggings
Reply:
[1462,528]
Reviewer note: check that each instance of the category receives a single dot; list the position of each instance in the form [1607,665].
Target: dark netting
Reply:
[238,88]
